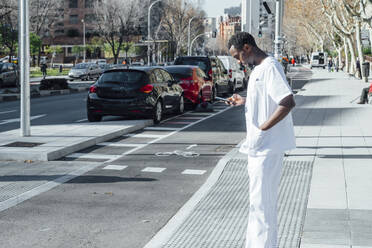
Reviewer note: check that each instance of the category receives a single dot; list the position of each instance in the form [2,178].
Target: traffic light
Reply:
[260,33]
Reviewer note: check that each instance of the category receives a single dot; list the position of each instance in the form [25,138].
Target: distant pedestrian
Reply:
[270,133]
[330,63]
[293,62]
[359,72]
[43,69]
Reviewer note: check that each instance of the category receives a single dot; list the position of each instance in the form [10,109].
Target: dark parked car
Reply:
[196,86]
[214,69]
[9,75]
[136,91]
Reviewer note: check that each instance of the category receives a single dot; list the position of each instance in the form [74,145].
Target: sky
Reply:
[214,8]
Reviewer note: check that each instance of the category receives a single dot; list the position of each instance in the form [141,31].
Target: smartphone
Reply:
[222,99]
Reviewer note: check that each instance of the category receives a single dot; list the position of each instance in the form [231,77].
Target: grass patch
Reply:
[36,72]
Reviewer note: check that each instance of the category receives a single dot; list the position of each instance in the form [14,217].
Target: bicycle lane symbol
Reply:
[188,154]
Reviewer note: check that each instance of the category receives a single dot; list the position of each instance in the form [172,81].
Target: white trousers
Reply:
[264,177]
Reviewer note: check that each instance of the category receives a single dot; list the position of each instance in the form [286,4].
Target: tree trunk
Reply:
[352,53]
[339,51]
[359,47]
[346,50]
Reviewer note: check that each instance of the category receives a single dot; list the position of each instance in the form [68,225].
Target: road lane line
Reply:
[178,122]
[115,167]
[154,169]
[194,172]
[118,144]
[170,134]
[143,135]
[189,147]
[93,156]
[6,112]
[3,122]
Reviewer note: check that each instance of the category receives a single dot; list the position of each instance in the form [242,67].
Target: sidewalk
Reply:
[324,200]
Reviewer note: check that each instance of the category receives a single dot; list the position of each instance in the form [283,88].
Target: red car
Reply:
[197,86]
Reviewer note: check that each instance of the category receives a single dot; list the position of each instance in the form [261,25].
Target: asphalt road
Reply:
[126,205]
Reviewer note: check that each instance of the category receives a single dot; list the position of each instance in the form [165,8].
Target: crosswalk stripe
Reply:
[143,135]
[93,156]
[194,172]
[115,167]
[154,169]
[189,118]
[118,144]
[178,122]
[161,128]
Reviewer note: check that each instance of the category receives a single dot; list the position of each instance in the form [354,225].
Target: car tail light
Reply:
[147,88]
[210,73]
[230,73]
[93,89]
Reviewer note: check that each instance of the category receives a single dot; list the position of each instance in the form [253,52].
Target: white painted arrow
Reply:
[17,119]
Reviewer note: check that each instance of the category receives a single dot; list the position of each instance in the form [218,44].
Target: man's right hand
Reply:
[236,100]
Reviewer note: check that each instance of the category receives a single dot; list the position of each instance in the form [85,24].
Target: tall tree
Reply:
[8,26]
[117,22]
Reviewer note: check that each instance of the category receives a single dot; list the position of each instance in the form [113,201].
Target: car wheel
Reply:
[158,112]
[181,106]
[93,117]
[1,83]
[233,87]
[214,94]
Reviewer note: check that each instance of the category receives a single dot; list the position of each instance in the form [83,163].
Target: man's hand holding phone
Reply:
[236,100]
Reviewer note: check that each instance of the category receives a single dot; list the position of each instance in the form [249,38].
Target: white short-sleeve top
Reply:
[266,88]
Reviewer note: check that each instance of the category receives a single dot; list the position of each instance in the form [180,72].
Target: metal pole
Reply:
[85,51]
[24,65]
[250,16]
[84,39]
[189,36]
[148,31]
[192,42]
[277,29]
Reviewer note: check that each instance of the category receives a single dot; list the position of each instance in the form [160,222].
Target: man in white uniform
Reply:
[269,134]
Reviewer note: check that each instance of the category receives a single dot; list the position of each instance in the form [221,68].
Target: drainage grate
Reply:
[220,218]
[23,144]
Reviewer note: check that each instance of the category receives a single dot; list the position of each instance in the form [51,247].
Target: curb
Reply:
[42,93]
[164,234]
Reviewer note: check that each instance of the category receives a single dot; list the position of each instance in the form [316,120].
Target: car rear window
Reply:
[123,77]
[202,63]
[315,57]
[180,73]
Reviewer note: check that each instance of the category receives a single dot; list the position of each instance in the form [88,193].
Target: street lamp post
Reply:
[189,36]
[278,28]
[24,66]
[192,42]
[84,52]
[149,30]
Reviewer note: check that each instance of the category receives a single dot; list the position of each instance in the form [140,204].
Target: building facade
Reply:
[229,26]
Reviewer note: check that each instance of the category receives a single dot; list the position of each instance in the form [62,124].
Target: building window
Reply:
[59,32]
[89,18]
[89,3]
[73,4]
[74,19]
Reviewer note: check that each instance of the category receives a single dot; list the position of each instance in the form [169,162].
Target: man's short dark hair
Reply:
[238,40]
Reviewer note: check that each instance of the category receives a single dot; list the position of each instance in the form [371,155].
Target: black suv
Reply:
[213,67]
[9,75]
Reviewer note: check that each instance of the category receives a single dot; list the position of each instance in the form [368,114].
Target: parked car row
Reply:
[155,91]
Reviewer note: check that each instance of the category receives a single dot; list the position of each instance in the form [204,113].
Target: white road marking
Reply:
[194,172]
[178,122]
[189,147]
[161,128]
[154,169]
[3,122]
[93,156]
[115,167]
[118,144]
[6,112]
[170,134]
[82,120]
[199,113]
[143,135]
[190,118]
